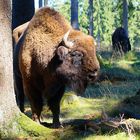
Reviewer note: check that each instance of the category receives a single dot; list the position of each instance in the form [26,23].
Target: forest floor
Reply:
[109,109]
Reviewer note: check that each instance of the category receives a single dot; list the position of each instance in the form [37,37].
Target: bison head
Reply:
[79,64]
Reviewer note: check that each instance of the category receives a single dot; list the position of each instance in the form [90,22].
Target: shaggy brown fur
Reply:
[48,65]
[18,31]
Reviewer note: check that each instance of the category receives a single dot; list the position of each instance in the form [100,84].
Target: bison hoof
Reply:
[36,118]
[57,125]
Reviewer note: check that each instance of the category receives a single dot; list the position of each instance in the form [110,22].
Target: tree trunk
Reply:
[74,14]
[40,3]
[8,107]
[125,16]
[98,34]
[45,2]
[90,14]
[22,11]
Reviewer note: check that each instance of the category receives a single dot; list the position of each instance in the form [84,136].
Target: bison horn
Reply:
[68,43]
[95,43]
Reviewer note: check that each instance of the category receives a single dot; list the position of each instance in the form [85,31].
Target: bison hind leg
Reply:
[19,92]
[36,107]
[35,99]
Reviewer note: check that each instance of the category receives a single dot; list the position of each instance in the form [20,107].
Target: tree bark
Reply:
[8,107]
[45,2]
[125,16]
[90,14]
[98,34]
[74,14]
[23,11]
[40,3]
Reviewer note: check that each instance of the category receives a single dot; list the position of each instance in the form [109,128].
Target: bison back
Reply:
[44,33]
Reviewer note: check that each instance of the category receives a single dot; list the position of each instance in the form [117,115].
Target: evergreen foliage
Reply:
[107,17]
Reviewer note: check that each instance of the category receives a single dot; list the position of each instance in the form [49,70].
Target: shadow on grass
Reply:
[84,128]
[117,74]
[129,107]
[105,54]
[78,129]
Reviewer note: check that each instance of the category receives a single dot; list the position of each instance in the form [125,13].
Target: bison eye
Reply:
[77,58]
[77,54]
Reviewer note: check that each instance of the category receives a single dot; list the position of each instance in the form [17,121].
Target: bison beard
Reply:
[78,86]
[73,76]
[49,56]
[76,83]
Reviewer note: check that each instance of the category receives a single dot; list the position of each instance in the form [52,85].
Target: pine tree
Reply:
[74,14]
[22,11]
[90,14]
[125,16]
[40,3]
[45,2]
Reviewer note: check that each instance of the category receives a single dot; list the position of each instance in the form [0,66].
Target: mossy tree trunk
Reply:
[8,107]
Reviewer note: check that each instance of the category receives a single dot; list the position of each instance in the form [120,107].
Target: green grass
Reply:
[120,80]
[86,106]
[118,136]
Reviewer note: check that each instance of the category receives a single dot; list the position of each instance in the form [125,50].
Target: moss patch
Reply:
[114,93]
[23,127]
[32,128]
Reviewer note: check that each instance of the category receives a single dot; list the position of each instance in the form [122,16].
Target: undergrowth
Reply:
[119,80]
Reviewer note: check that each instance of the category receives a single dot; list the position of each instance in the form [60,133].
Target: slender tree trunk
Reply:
[90,14]
[45,2]
[125,15]
[74,14]
[22,11]
[8,107]
[99,39]
[98,33]
[40,3]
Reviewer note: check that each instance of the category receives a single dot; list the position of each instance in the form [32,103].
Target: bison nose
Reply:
[92,75]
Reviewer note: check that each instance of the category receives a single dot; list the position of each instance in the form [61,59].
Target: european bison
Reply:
[120,41]
[49,56]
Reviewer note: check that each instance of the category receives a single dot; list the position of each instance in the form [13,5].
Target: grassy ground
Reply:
[114,94]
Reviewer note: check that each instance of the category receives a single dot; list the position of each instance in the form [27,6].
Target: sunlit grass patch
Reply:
[131,56]
[118,136]
[121,81]
[130,66]
[84,106]
[72,134]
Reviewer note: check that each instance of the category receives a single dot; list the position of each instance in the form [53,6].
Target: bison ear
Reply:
[62,51]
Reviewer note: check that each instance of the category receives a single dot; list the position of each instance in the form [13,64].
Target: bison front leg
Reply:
[54,105]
